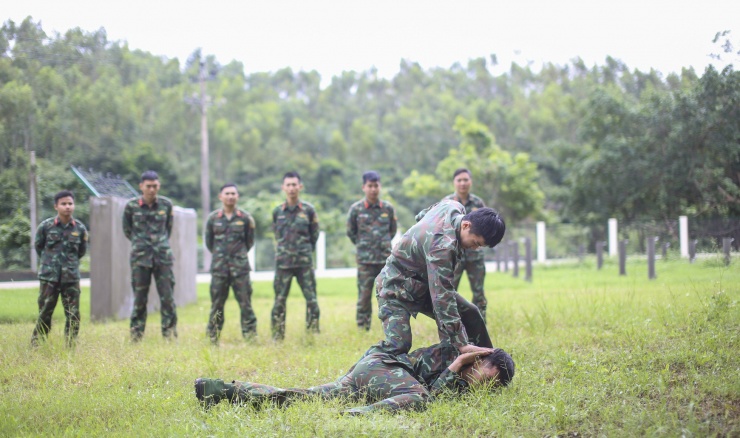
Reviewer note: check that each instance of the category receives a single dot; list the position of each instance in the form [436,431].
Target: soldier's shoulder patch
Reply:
[315,219]
[85,237]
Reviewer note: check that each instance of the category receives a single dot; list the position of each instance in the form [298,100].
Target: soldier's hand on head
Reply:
[469,358]
[474,348]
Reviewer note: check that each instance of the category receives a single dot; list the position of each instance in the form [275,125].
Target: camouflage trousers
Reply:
[476,270]
[48,296]
[141,279]
[307,282]
[366,274]
[376,378]
[396,320]
[242,287]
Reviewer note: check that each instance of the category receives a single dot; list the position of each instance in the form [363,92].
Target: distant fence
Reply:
[555,241]
[548,241]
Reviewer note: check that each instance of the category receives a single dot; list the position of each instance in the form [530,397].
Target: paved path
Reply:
[199,278]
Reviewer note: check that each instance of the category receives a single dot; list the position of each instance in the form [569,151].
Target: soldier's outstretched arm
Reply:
[440,268]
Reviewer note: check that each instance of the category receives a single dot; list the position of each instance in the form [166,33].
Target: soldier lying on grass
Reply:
[386,381]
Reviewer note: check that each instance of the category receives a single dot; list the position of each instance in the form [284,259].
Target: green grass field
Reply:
[597,355]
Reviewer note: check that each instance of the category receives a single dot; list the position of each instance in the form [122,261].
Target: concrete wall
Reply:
[111,295]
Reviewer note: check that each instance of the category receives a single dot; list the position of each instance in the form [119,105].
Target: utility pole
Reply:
[205,182]
[32,209]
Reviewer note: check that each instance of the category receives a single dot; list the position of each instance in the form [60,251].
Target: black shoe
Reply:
[209,391]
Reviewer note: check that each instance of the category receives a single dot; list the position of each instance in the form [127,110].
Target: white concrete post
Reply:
[321,252]
[252,254]
[541,248]
[683,235]
[613,244]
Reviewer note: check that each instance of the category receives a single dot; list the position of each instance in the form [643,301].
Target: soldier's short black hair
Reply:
[292,174]
[63,194]
[461,170]
[228,185]
[149,175]
[370,175]
[505,364]
[486,222]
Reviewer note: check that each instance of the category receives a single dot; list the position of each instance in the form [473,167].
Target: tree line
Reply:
[571,143]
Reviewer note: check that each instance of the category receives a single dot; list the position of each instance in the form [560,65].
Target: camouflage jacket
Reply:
[473,204]
[229,240]
[371,227]
[60,248]
[422,266]
[296,232]
[429,366]
[148,229]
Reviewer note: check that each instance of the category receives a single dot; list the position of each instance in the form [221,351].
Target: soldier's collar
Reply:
[299,205]
[58,221]
[141,201]
[236,212]
[459,199]
[368,204]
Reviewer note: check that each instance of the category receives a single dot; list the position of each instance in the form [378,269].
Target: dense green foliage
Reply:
[567,142]
[597,354]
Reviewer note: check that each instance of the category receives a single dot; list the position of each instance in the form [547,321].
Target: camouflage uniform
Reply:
[229,240]
[149,228]
[370,227]
[296,231]
[59,248]
[418,278]
[389,382]
[473,260]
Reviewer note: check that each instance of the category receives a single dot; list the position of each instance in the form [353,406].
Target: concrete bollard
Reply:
[528,258]
[623,257]
[692,250]
[600,254]
[651,256]
[726,248]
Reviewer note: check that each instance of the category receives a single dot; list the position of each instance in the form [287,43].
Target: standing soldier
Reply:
[473,259]
[60,243]
[147,223]
[296,228]
[229,236]
[371,224]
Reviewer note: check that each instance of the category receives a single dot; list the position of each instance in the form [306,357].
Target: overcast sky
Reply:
[331,36]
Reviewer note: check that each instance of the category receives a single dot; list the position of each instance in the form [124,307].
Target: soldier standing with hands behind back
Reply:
[147,223]
[473,259]
[296,228]
[371,224]
[60,243]
[229,236]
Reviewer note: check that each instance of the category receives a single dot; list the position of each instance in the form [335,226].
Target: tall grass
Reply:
[596,354]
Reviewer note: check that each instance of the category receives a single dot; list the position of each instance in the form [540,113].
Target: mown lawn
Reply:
[596,354]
